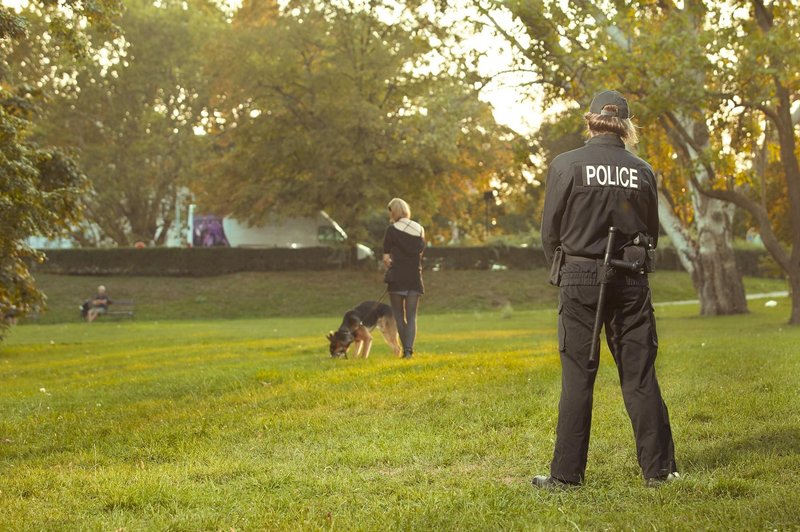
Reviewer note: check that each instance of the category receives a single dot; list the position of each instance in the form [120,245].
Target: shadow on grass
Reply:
[782,442]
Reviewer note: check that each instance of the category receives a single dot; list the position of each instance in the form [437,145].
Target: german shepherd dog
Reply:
[356,327]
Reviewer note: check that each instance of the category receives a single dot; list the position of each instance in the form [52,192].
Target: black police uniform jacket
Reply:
[592,188]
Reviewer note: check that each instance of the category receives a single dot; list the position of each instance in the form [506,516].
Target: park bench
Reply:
[120,308]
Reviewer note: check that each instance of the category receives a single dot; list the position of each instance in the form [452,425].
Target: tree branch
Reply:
[763,16]
[676,230]
[614,32]
[760,214]
[768,111]
[506,35]
[677,126]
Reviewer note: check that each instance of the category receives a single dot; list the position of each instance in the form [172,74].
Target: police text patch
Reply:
[608,175]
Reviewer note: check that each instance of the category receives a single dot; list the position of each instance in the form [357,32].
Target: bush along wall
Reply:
[750,262]
[192,262]
[203,262]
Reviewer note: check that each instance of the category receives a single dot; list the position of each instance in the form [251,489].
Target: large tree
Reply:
[40,188]
[755,47]
[130,114]
[339,106]
[653,51]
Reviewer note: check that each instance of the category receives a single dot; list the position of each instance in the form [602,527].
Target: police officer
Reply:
[588,190]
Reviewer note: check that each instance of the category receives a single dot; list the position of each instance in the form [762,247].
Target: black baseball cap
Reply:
[601,99]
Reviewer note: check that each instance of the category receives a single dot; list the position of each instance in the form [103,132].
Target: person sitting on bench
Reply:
[98,304]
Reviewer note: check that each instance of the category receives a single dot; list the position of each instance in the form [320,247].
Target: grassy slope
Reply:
[327,293]
[247,424]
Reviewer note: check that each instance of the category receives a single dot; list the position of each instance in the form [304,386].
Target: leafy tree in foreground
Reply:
[40,188]
[757,82]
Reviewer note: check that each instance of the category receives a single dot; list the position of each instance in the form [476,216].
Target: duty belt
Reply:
[590,277]
[578,258]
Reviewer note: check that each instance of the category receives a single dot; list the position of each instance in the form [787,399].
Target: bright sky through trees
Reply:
[514,106]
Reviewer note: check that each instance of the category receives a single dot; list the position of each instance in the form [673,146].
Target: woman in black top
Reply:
[403,245]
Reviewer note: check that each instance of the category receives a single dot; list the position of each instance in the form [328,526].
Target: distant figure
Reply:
[209,232]
[97,305]
[403,245]
[10,315]
[215,235]
[753,236]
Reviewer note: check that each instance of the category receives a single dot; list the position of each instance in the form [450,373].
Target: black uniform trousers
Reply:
[631,335]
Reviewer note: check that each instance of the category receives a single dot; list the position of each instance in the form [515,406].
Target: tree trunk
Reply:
[685,247]
[794,286]
[716,277]
[791,167]
[709,258]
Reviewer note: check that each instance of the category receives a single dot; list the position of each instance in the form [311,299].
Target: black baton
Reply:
[594,355]
[606,273]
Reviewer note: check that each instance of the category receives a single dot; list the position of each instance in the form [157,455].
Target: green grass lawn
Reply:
[326,293]
[247,424]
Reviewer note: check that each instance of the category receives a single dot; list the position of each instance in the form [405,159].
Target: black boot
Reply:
[550,483]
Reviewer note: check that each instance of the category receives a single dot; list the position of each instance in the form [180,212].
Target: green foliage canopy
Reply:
[130,115]
[328,107]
